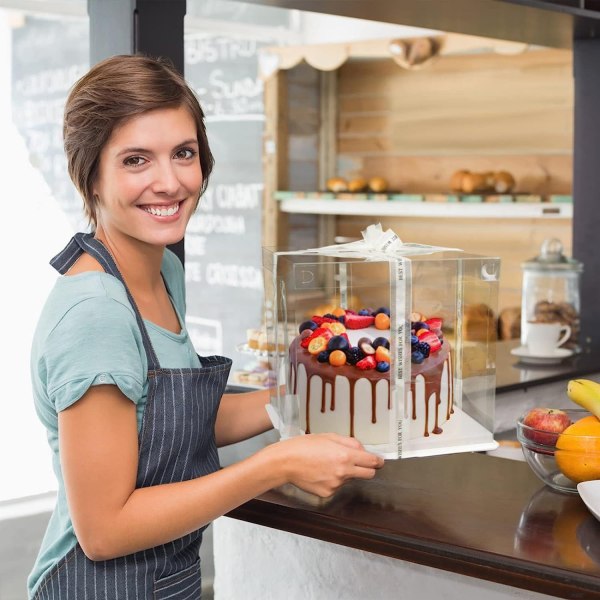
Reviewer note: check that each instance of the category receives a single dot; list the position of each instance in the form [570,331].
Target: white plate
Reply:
[555,356]
[590,494]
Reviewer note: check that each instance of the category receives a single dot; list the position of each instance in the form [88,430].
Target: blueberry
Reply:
[307,325]
[381,341]
[363,312]
[424,348]
[330,316]
[414,340]
[342,319]
[323,357]
[417,357]
[383,366]
[382,309]
[337,342]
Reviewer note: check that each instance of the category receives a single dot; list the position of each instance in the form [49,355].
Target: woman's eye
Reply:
[185,153]
[134,161]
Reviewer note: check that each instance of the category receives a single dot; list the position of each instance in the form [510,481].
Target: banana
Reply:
[586,393]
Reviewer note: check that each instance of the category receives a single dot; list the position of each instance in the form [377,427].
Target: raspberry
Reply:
[353,355]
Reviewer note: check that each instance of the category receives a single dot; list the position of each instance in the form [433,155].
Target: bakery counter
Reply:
[456,526]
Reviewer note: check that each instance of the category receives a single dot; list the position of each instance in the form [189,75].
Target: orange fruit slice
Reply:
[335,328]
[382,353]
[578,450]
[317,345]
[382,321]
[337,358]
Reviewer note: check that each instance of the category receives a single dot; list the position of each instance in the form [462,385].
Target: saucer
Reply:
[590,494]
[552,357]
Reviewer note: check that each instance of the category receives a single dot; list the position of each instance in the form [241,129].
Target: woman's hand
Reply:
[322,463]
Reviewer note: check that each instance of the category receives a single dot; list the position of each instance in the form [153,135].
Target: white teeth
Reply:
[162,212]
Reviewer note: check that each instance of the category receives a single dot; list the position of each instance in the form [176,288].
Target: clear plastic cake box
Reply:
[412,410]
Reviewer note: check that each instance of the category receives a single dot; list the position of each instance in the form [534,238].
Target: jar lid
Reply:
[551,258]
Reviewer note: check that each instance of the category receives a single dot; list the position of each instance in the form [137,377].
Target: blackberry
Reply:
[330,316]
[323,357]
[424,348]
[353,355]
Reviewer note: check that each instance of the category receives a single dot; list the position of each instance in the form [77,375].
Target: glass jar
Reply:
[551,291]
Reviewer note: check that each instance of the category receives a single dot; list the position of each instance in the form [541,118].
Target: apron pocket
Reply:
[183,585]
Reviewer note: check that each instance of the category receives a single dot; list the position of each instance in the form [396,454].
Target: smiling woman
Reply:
[133,415]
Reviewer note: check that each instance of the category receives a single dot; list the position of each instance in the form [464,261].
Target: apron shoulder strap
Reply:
[86,242]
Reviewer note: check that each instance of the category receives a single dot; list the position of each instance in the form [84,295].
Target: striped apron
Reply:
[176,443]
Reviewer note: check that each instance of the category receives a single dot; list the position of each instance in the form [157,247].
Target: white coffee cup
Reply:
[544,338]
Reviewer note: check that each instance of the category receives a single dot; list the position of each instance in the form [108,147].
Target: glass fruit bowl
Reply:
[562,460]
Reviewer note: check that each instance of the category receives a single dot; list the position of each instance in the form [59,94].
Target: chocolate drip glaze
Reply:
[431,371]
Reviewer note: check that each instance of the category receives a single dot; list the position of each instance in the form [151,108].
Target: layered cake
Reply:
[340,370]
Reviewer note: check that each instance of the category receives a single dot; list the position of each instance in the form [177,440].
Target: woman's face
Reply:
[149,177]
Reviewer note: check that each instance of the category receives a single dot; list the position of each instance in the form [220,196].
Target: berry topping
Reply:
[338,312]
[330,316]
[342,319]
[337,358]
[434,342]
[316,345]
[380,341]
[307,325]
[365,345]
[337,342]
[323,357]
[419,325]
[363,312]
[382,354]
[383,310]
[417,357]
[320,320]
[306,333]
[353,355]
[434,323]
[383,366]
[325,333]
[358,322]
[367,363]
[423,348]
[421,332]
[382,321]
[414,340]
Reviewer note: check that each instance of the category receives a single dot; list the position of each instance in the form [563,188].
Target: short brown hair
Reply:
[109,94]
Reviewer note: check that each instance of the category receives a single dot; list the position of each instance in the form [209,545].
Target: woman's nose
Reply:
[165,179]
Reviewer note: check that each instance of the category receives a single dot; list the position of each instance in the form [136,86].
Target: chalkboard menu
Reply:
[48,57]
[223,242]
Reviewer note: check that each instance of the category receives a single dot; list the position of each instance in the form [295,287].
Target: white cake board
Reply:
[462,433]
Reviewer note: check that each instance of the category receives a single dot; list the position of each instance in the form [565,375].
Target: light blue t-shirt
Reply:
[88,335]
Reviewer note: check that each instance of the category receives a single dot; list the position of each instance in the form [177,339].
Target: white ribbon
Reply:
[376,244]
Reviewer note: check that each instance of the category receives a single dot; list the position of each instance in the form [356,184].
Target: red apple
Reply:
[546,424]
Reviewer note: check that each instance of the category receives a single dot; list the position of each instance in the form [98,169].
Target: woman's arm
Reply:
[242,416]
[99,459]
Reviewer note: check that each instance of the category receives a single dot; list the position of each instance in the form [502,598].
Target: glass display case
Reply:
[394,348]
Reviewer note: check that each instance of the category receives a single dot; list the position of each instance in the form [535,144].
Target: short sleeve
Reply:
[97,342]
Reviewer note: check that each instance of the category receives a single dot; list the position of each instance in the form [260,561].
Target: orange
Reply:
[337,358]
[317,345]
[335,328]
[338,312]
[382,321]
[382,354]
[578,450]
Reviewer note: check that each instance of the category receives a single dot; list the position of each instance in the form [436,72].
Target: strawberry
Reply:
[434,323]
[421,332]
[320,331]
[367,363]
[433,341]
[320,320]
[358,322]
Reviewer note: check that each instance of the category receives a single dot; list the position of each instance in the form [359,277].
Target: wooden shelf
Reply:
[512,210]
